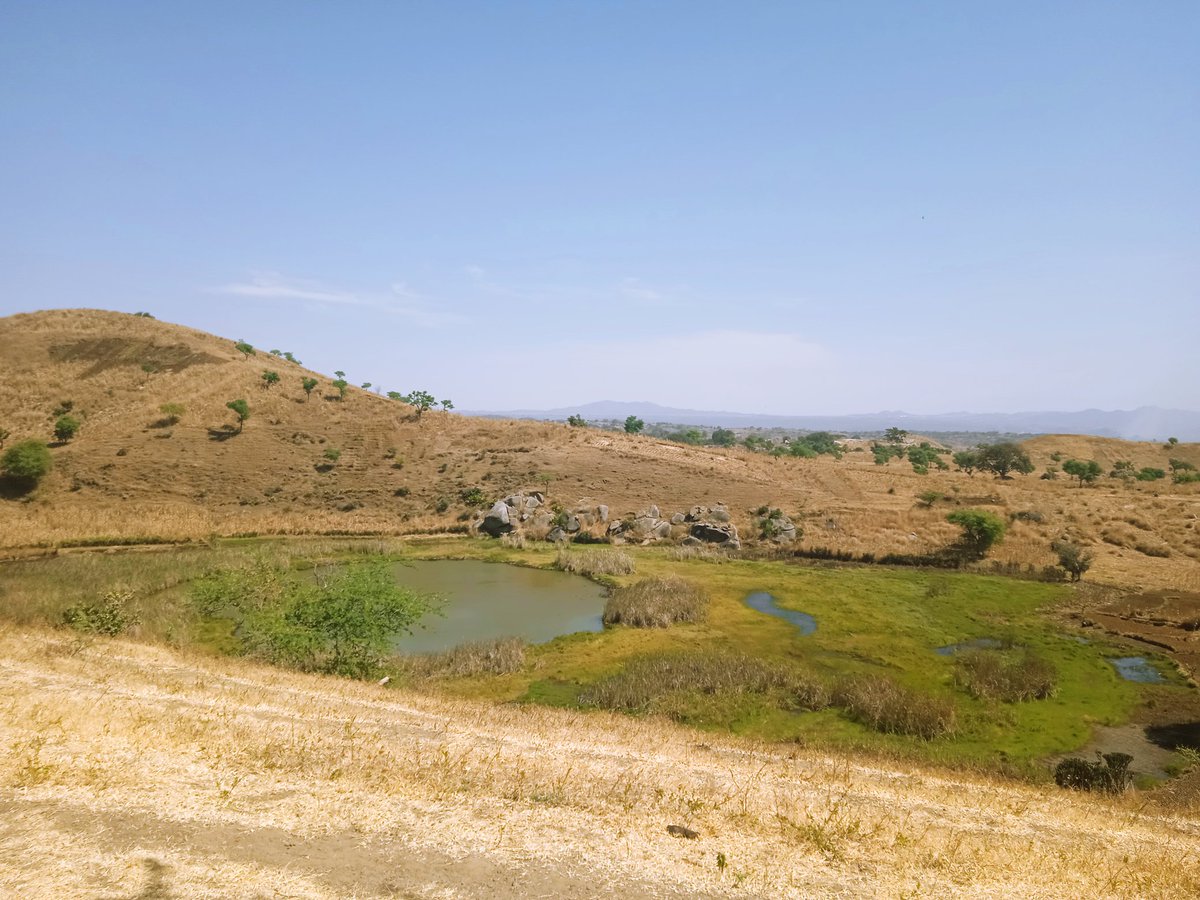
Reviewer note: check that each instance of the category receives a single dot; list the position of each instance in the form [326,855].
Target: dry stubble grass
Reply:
[112,752]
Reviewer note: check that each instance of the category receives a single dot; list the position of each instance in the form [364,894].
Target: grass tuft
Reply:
[658,602]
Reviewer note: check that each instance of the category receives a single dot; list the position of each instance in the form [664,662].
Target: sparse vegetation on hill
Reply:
[848,506]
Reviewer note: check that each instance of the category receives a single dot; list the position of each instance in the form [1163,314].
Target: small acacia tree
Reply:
[66,427]
[308,384]
[1072,557]
[577,421]
[981,530]
[446,405]
[1085,470]
[421,401]
[269,378]
[27,461]
[1000,459]
[342,386]
[633,425]
[896,436]
[241,409]
[247,350]
[967,461]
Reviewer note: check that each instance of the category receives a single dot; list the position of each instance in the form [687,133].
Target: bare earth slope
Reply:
[128,475]
[257,782]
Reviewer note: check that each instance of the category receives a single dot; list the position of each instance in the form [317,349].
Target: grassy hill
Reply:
[129,475]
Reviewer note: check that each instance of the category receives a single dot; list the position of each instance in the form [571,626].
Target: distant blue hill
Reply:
[1149,423]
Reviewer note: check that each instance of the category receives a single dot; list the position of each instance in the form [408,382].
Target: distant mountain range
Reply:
[1150,423]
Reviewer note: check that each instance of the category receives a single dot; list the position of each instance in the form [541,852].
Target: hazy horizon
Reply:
[788,210]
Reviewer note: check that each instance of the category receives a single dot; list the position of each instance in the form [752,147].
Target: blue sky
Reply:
[817,207]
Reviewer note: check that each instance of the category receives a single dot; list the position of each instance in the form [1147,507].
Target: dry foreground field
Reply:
[135,770]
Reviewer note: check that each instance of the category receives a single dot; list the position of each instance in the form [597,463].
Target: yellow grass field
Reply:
[128,770]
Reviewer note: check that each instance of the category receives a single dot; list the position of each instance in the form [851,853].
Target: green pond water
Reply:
[491,600]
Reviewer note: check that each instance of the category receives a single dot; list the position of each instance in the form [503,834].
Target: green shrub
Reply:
[1110,774]
[657,602]
[27,461]
[1073,558]
[111,614]
[1148,473]
[981,530]
[342,622]
[1011,676]
[66,427]
[472,496]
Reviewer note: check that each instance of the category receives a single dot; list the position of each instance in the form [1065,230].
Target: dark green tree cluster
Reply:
[633,425]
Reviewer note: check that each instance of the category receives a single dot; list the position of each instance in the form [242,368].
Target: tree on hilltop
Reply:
[633,425]
[421,401]
[247,350]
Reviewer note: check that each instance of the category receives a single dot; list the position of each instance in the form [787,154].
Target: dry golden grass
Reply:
[124,766]
[394,471]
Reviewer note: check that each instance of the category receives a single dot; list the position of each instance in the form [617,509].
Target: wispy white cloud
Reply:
[399,299]
[272,286]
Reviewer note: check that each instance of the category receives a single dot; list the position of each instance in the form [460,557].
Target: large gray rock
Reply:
[720,533]
[602,513]
[497,521]
[572,525]
[556,535]
[718,513]
[678,519]
[661,530]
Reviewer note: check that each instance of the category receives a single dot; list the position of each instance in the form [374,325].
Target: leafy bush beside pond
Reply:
[341,623]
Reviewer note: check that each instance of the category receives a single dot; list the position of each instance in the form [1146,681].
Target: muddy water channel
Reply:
[491,600]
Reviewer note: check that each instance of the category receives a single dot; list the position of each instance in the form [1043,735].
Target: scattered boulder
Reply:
[556,535]
[498,520]
[721,533]
[678,519]
[680,831]
[602,513]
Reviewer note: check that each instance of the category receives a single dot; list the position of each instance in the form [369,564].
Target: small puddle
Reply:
[762,602]
[973,644]
[1135,668]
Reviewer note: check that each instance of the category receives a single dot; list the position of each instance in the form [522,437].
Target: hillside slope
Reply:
[129,770]
[129,475]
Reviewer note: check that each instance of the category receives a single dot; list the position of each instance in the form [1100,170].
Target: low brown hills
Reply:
[129,474]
